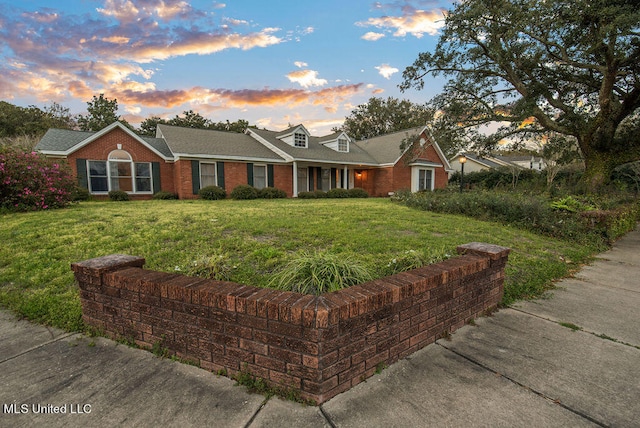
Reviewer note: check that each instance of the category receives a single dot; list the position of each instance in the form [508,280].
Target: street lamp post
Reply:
[462,160]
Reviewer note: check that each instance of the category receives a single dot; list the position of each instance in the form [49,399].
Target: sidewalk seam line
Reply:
[582,329]
[260,407]
[540,394]
[327,416]
[37,347]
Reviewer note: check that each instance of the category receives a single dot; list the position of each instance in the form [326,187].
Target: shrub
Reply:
[357,192]
[338,193]
[320,194]
[321,272]
[244,191]
[307,195]
[212,193]
[118,195]
[80,194]
[271,193]
[29,181]
[163,195]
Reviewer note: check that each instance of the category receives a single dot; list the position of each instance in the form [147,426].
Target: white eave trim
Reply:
[193,156]
[287,157]
[105,131]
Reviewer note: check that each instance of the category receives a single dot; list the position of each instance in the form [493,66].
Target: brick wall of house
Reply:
[318,345]
[283,178]
[182,180]
[101,147]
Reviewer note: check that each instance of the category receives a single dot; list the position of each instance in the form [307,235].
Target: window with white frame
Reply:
[303,184]
[425,179]
[300,139]
[343,145]
[119,172]
[259,176]
[208,175]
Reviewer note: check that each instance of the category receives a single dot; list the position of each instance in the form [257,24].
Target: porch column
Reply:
[346,177]
[295,179]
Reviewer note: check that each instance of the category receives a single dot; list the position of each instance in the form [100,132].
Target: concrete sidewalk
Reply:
[570,360]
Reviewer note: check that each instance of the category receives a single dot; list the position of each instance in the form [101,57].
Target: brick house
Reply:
[183,160]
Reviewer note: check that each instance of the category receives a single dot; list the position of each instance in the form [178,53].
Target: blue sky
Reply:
[272,63]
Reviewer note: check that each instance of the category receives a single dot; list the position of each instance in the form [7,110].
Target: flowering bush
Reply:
[31,182]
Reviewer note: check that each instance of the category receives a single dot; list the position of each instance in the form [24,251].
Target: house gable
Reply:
[296,136]
[338,142]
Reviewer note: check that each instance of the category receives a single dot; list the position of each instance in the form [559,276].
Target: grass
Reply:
[251,240]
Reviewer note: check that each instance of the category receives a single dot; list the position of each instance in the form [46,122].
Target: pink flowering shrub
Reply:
[31,182]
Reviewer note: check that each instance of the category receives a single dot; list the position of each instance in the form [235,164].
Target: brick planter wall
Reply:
[319,345]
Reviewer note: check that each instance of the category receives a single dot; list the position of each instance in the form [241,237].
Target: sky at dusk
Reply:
[273,63]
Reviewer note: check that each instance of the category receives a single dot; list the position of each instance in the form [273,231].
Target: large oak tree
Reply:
[571,67]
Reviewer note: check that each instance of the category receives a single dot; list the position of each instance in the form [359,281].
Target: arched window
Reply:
[119,172]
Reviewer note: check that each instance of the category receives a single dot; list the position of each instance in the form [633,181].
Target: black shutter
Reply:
[270,175]
[155,175]
[333,178]
[250,174]
[195,176]
[83,176]
[311,178]
[220,172]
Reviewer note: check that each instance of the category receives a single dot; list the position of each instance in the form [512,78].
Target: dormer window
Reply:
[300,139]
[343,145]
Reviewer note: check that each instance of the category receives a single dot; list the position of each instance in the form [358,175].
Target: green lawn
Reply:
[253,239]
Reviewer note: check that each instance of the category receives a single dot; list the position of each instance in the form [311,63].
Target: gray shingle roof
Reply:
[385,149]
[221,144]
[61,140]
[316,151]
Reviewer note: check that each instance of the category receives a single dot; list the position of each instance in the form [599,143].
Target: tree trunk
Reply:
[598,168]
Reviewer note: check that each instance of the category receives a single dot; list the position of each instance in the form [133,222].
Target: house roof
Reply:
[315,151]
[61,140]
[191,142]
[488,162]
[64,141]
[385,149]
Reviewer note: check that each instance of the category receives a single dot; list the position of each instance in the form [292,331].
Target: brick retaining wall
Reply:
[319,345]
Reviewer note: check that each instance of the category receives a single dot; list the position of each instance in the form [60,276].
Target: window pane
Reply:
[143,184]
[302,180]
[259,176]
[300,140]
[143,169]
[122,183]
[326,179]
[97,168]
[119,155]
[99,184]
[207,174]
[120,169]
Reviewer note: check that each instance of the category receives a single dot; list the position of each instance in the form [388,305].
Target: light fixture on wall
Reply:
[462,160]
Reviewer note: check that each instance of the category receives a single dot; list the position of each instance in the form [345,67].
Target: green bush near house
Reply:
[163,195]
[80,194]
[244,192]
[118,195]
[357,192]
[271,193]
[308,195]
[212,193]
[338,193]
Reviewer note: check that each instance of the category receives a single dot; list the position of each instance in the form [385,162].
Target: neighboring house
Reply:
[476,162]
[184,160]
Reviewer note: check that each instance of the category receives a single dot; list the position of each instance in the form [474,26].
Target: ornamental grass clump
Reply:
[31,182]
[321,272]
